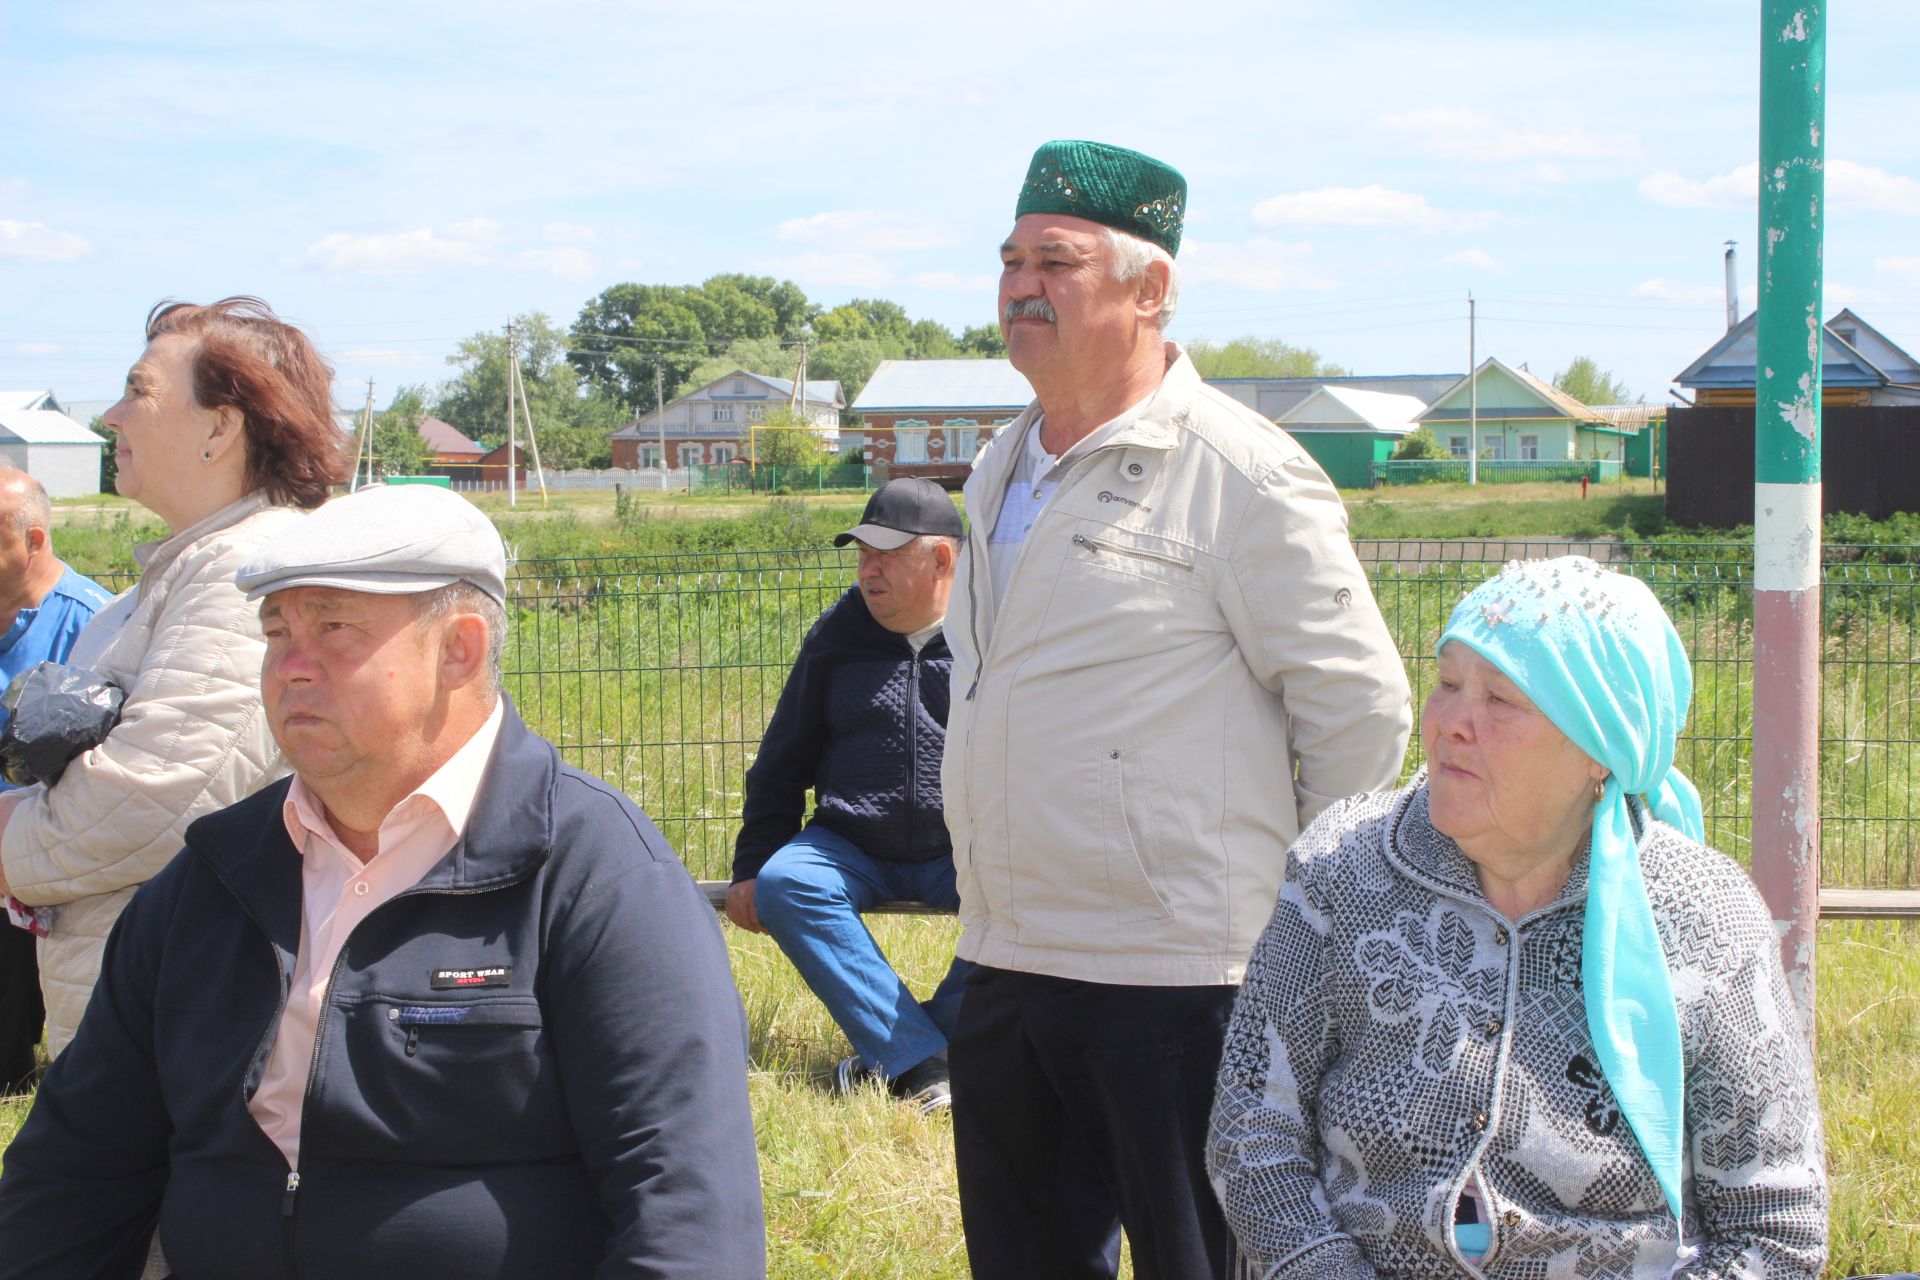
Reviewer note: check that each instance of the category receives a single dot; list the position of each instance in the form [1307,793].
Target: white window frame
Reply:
[1529,447]
[719,453]
[723,413]
[689,453]
[910,437]
[756,412]
[739,386]
[1459,447]
[962,439]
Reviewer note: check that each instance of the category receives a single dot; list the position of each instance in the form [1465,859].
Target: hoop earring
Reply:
[1599,790]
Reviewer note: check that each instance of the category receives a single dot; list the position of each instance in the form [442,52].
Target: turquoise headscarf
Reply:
[1598,656]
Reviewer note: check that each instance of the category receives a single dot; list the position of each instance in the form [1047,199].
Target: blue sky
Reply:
[399,175]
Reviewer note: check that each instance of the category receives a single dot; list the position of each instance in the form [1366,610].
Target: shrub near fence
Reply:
[1491,471]
[660,672]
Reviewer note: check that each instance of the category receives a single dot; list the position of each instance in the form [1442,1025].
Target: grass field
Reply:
[863,1187]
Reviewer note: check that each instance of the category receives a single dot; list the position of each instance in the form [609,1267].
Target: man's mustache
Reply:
[1027,309]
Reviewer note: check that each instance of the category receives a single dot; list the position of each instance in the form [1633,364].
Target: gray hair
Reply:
[464,597]
[1131,258]
[23,501]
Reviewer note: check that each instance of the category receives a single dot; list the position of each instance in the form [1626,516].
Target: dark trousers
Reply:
[21,1012]
[1079,1108]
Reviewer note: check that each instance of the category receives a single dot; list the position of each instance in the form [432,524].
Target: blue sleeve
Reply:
[652,1046]
[85,1176]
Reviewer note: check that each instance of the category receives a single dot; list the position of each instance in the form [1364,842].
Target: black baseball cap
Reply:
[900,511]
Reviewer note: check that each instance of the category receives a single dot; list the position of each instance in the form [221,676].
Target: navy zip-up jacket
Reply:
[531,1064]
[862,720]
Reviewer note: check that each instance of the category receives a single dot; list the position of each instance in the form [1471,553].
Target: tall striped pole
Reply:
[1786,505]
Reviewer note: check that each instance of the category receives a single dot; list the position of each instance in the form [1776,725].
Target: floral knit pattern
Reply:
[1397,1042]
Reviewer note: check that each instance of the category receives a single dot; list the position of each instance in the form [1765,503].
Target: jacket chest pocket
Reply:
[471,1079]
[1141,557]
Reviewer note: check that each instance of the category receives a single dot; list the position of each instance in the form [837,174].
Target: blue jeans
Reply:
[810,897]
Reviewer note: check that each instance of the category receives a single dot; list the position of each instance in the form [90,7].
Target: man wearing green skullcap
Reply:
[1167,660]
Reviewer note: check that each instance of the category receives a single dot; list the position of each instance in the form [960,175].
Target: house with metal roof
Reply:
[41,440]
[1522,418]
[1275,398]
[715,423]
[929,418]
[1859,366]
[1346,430]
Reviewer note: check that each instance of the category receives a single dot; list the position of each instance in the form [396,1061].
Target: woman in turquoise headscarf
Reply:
[1515,1019]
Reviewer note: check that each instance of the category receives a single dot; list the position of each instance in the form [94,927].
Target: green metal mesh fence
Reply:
[658,673]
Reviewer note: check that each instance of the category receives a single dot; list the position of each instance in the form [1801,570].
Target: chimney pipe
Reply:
[1733,291]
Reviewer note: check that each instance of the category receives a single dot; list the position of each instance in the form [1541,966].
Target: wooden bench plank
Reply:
[1835,904]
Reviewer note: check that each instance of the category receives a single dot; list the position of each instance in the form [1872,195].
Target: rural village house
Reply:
[713,423]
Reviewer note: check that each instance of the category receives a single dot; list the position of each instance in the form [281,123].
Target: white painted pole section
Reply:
[1786,537]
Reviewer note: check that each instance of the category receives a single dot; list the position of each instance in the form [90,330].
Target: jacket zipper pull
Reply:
[413,1038]
[293,1188]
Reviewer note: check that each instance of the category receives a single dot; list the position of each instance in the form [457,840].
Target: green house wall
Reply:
[1347,456]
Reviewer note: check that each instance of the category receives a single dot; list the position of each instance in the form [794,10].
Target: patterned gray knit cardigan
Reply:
[1397,1040]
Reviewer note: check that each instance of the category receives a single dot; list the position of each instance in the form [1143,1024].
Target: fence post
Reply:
[1786,505]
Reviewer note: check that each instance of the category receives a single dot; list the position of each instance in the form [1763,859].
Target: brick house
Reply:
[929,417]
[713,423]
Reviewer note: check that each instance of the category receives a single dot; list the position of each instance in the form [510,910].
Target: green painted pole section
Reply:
[1793,73]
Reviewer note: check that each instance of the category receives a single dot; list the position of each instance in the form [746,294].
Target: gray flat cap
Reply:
[388,540]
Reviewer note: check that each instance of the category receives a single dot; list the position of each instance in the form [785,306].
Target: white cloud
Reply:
[36,348]
[984,283]
[569,233]
[867,230]
[395,253]
[566,263]
[1369,206]
[1260,265]
[1452,133]
[1863,186]
[1907,269]
[1478,258]
[1850,185]
[830,270]
[37,242]
[1679,291]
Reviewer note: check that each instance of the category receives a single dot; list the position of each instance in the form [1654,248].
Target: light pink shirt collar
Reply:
[448,795]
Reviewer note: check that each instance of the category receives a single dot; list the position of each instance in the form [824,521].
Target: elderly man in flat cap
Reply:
[439,1005]
[1167,660]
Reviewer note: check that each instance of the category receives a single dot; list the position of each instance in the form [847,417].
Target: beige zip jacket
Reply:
[1187,666]
[186,646]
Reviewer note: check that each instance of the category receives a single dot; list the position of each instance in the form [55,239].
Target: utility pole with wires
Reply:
[660,417]
[365,442]
[1473,399]
[517,391]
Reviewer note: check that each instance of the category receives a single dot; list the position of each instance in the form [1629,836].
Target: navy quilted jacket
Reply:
[862,721]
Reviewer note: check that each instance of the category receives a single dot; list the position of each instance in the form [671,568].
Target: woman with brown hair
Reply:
[226,433]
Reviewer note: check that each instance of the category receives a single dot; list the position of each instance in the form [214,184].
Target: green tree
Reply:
[851,361]
[572,424]
[768,357]
[398,447]
[983,341]
[109,465]
[1259,358]
[627,331]
[786,439]
[1588,383]
[1419,444]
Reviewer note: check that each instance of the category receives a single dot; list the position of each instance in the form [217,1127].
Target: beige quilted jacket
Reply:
[192,738]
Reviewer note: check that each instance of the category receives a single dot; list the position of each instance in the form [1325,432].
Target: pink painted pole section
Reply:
[1786,493]
[1786,775]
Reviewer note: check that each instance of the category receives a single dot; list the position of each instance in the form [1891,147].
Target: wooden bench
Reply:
[1835,904]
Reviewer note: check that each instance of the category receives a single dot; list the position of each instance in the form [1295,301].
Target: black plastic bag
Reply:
[57,712]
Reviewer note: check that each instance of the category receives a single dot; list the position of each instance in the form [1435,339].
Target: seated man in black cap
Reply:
[862,722]
[438,1005]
